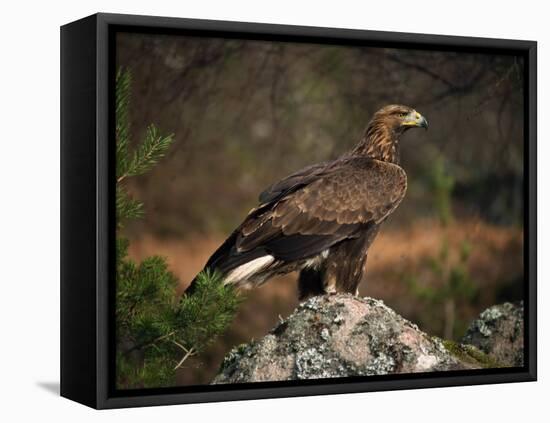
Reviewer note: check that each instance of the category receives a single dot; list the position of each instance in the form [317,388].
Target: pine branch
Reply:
[153,328]
[208,312]
[127,207]
[148,153]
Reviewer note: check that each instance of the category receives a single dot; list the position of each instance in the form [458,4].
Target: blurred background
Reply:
[247,113]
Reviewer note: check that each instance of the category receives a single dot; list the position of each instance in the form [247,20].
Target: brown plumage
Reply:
[322,219]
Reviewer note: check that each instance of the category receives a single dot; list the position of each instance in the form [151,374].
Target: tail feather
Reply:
[226,258]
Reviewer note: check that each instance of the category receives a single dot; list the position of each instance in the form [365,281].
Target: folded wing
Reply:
[314,209]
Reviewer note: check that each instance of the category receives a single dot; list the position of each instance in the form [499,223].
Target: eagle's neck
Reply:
[379,142]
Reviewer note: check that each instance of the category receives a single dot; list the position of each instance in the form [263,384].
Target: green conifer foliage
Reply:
[156,332]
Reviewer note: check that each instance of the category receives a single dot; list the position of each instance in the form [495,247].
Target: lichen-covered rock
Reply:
[339,336]
[498,332]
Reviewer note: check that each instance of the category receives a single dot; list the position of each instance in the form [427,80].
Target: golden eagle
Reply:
[322,219]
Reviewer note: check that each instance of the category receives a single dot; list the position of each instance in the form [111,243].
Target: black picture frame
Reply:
[87,210]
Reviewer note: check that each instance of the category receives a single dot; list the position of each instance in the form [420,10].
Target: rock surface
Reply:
[343,335]
[498,332]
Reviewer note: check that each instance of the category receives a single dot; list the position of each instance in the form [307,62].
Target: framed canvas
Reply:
[223,183]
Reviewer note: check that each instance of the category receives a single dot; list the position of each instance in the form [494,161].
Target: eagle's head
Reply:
[381,138]
[399,118]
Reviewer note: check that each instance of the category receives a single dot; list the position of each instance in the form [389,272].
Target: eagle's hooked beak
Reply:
[415,119]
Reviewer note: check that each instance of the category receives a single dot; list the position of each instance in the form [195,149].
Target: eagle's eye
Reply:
[402,115]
